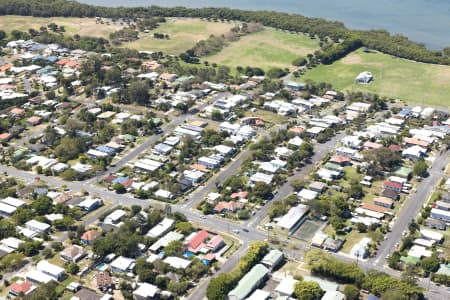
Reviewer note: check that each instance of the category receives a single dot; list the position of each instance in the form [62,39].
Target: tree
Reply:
[430,264]
[351,292]
[73,268]
[308,290]
[219,286]
[2,35]
[42,205]
[185,228]
[119,188]
[216,115]
[420,168]
[137,92]
[361,227]
[178,287]
[174,248]
[145,271]
[262,190]
[299,62]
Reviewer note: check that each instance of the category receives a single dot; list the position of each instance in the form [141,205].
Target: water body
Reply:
[425,21]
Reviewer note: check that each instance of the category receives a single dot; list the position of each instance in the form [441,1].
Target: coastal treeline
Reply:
[381,40]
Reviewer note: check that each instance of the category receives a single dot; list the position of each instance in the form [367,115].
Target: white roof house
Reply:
[359,249]
[259,295]
[81,168]
[160,228]
[261,177]
[419,251]
[286,286]
[50,269]
[177,262]
[306,194]
[425,243]
[12,242]
[146,291]
[7,210]
[38,276]
[13,202]
[415,151]
[165,240]
[122,264]
[164,194]
[37,226]
[431,235]
[293,218]
[115,216]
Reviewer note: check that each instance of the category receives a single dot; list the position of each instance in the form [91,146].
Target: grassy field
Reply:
[183,34]
[413,82]
[82,26]
[266,49]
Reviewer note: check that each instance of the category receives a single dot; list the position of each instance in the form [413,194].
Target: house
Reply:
[34,120]
[431,235]
[273,259]
[103,280]
[394,195]
[37,276]
[177,262]
[90,204]
[145,291]
[415,142]
[436,224]
[414,153]
[215,243]
[359,249]
[115,217]
[341,160]
[393,186]
[12,242]
[87,294]
[51,270]
[6,136]
[7,210]
[261,177]
[162,227]
[227,207]
[89,236]
[318,239]
[307,195]
[37,226]
[21,287]
[333,245]
[209,162]
[165,240]
[252,280]
[364,78]
[259,295]
[73,253]
[196,242]
[384,201]
[163,194]
[194,176]
[440,214]
[442,205]
[419,251]
[286,287]
[372,146]
[333,295]
[122,265]
[162,149]
[294,218]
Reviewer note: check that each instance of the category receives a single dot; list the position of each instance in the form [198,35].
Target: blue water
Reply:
[102,267]
[188,254]
[425,21]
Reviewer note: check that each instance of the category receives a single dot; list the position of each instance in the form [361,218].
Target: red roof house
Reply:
[197,241]
[394,186]
[19,287]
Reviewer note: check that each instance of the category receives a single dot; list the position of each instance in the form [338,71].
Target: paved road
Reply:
[412,208]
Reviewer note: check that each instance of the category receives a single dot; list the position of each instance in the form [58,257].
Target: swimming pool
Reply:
[188,254]
[102,267]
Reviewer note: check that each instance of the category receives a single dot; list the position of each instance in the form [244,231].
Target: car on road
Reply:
[235,230]
[203,217]
[245,229]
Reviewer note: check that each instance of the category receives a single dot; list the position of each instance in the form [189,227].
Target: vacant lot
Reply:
[416,83]
[265,49]
[183,35]
[81,26]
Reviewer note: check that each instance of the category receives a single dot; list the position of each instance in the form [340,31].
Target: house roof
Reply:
[239,195]
[272,257]
[246,284]
[20,287]
[103,279]
[414,141]
[375,208]
[384,200]
[392,184]
[198,239]
[230,206]
[90,235]
[73,251]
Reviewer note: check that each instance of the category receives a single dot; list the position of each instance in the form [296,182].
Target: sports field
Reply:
[265,49]
[183,35]
[81,26]
[413,82]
